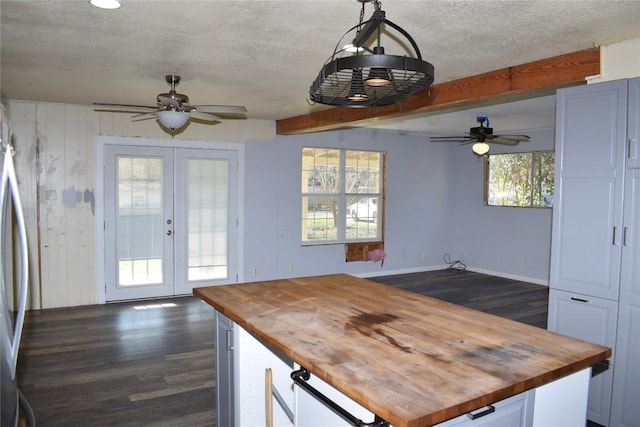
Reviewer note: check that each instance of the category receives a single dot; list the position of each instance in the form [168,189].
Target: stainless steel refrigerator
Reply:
[14,279]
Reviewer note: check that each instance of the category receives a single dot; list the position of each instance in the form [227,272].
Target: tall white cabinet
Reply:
[595,257]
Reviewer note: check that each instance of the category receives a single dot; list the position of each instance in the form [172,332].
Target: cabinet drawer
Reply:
[515,411]
[584,317]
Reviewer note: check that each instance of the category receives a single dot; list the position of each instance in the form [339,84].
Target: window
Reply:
[520,179]
[342,195]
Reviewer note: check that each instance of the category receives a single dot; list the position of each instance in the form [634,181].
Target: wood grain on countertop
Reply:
[410,359]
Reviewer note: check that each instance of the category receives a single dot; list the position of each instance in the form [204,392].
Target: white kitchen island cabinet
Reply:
[412,360]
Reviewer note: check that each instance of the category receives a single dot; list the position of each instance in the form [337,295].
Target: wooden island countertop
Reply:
[411,359]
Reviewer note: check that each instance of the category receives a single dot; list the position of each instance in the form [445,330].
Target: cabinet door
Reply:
[633,124]
[590,319]
[516,411]
[630,274]
[625,407]
[587,215]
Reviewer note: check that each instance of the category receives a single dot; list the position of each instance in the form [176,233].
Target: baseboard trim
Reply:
[400,271]
[527,279]
[445,266]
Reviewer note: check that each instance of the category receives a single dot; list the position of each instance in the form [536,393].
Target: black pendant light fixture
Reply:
[358,75]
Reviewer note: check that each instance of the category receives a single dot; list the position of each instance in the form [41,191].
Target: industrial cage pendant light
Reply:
[357,75]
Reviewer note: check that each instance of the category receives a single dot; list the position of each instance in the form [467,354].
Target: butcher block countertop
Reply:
[411,359]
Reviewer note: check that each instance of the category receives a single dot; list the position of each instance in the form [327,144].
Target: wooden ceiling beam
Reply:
[524,81]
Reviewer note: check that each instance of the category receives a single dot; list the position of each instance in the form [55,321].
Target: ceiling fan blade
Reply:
[144,116]
[458,139]
[468,141]
[204,116]
[219,109]
[516,137]
[122,108]
[505,141]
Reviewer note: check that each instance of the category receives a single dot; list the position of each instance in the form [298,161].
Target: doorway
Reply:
[170,220]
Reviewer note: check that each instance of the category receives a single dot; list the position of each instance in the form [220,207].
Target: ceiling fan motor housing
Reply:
[481,132]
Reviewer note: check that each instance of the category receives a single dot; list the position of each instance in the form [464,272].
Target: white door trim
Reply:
[102,141]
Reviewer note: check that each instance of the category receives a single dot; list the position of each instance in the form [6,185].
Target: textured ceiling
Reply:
[265,54]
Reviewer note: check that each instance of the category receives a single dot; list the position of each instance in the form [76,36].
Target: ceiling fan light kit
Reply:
[360,76]
[173,111]
[480,148]
[481,136]
[172,119]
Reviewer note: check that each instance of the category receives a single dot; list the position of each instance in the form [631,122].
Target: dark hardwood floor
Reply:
[521,301]
[116,365]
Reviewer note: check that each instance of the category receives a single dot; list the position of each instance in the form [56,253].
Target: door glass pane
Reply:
[207,217]
[140,220]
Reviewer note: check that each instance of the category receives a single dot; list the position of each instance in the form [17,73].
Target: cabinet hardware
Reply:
[579,299]
[632,149]
[625,231]
[615,235]
[229,333]
[301,376]
[489,409]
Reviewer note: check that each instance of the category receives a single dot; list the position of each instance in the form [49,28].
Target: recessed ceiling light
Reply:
[105,4]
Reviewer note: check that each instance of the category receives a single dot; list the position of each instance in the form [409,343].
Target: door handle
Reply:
[625,231]
[169,232]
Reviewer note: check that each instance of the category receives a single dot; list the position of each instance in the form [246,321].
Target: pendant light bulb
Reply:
[105,4]
[480,148]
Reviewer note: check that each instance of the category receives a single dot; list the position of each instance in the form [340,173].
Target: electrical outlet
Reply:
[292,267]
[424,255]
[521,263]
[255,271]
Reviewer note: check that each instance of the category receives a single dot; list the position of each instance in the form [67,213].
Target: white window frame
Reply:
[487,182]
[342,197]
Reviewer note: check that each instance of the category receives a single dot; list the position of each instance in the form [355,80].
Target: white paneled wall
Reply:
[55,163]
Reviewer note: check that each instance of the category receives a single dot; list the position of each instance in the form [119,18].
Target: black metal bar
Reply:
[301,376]
[368,28]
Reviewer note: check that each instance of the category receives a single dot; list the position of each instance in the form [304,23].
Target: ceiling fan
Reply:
[173,110]
[480,136]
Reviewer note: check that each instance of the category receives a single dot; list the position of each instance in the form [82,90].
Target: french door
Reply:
[170,220]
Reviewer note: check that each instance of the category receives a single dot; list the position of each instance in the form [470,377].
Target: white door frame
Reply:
[102,141]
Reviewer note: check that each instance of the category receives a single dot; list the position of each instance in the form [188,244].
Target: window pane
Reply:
[362,221]
[207,217]
[521,179]
[319,218]
[543,175]
[140,220]
[363,172]
[320,170]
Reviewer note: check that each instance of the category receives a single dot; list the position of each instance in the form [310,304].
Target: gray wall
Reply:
[434,205]
[494,239]
[418,203]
